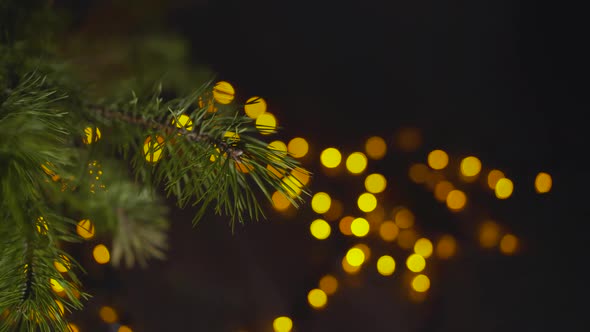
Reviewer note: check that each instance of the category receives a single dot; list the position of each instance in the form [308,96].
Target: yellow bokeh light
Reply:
[292,185]
[470,166]
[152,150]
[508,244]
[438,159]
[442,190]
[266,123]
[489,234]
[418,173]
[85,228]
[446,247]
[282,324]
[388,231]
[92,135]
[331,157]
[184,121]
[360,227]
[317,298]
[320,229]
[279,147]
[543,183]
[367,202]
[255,106]
[504,188]
[349,268]
[329,284]
[108,314]
[356,162]
[302,175]
[407,238]
[63,264]
[56,285]
[355,256]
[320,202]
[298,147]
[403,218]
[124,328]
[420,283]
[375,147]
[280,201]
[415,263]
[375,183]
[423,247]
[223,92]
[101,254]
[72,328]
[344,225]
[493,177]
[456,200]
[386,265]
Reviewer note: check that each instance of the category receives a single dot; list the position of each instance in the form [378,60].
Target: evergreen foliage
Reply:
[77,145]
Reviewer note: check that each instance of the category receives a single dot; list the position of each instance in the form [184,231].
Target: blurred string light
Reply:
[255,106]
[282,324]
[330,157]
[543,182]
[101,254]
[298,147]
[356,162]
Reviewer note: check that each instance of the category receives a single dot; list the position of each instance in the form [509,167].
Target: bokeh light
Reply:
[124,328]
[85,228]
[282,324]
[386,265]
[108,314]
[508,244]
[329,284]
[493,177]
[438,159]
[420,283]
[418,172]
[355,256]
[408,139]
[266,123]
[423,247]
[255,106]
[375,147]
[504,188]
[153,148]
[223,92]
[470,166]
[298,147]
[184,121]
[101,254]
[320,229]
[335,210]
[350,269]
[403,217]
[375,183]
[320,202]
[446,247]
[360,227]
[63,264]
[331,157]
[344,225]
[317,298]
[407,238]
[56,285]
[489,234]
[279,147]
[543,182]
[456,200]
[388,231]
[356,162]
[442,190]
[279,201]
[367,202]
[415,263]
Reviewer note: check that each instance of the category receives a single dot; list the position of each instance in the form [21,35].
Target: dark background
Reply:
[503,80]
